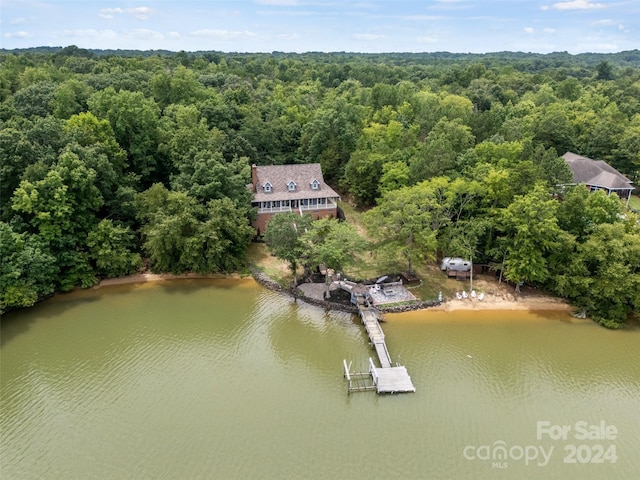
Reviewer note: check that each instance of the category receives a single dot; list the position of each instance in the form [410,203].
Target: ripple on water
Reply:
[225,380]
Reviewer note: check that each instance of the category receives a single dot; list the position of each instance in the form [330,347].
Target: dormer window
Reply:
[291,186]
[315,185]
[267,187]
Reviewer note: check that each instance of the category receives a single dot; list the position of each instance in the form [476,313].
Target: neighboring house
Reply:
[598,175]
[290,188]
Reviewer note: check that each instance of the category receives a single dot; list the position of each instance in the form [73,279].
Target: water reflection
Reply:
[215,379]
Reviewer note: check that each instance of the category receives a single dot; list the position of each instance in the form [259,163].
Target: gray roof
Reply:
[595,172]
[279,177]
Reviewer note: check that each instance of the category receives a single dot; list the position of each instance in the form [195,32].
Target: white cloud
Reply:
[139,10]
[110,12]
[174,35]
[533,30]
[577,5]
[140,13]
[18,21]
[21,34]
[366,36]
[605,22]
[222,34]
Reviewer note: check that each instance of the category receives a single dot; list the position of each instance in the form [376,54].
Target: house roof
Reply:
[595,172]
[279,177]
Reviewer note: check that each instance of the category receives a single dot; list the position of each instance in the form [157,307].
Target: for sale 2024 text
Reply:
[582,432]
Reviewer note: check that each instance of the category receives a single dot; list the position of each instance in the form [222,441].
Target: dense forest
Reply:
[114,160]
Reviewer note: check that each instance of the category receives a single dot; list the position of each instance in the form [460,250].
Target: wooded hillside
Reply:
[111,157]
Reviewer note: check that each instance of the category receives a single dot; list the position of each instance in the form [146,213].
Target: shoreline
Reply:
[491,302]
[160,277]
[531,304]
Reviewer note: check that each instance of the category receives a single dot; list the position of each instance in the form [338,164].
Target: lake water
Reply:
[223,379]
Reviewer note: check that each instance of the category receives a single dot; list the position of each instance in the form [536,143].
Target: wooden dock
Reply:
[370,316]
[384,379]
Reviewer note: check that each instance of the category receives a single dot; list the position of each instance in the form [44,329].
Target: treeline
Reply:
[109,159]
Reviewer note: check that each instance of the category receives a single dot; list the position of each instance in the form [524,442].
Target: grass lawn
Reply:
[258,255]
[368,265]
[634,203]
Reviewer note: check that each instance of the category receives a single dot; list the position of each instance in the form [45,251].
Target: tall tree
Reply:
[611,257]
[332,243]
[531,227]
[111,249]
[441,147]
[405,222]
[27,269]
[181,234]
[332,135]
[134,119]
[283,237]
[61,208]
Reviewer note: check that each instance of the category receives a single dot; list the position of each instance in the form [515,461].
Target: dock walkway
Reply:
[386,378]
[369,316]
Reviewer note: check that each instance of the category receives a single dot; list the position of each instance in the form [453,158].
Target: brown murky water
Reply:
[223,379]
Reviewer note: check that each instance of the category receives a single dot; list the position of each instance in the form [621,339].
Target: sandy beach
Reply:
[540,302]
[157,277]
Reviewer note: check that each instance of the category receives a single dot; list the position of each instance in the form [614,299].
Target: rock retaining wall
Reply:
[409,307]
[264,280]
[271,284]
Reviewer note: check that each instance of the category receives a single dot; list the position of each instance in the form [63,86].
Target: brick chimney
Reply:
[254,177]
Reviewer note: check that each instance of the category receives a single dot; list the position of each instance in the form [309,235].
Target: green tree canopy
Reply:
[333,244]
[283,237]
[531,230]
[27,269]
[181,234]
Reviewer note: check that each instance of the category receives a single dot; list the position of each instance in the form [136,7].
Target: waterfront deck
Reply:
[387,378]
[392,380]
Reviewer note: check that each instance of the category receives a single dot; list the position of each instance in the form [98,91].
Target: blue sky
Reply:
[539,26]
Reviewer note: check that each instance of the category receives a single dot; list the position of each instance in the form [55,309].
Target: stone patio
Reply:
[385,296]
[394,294]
